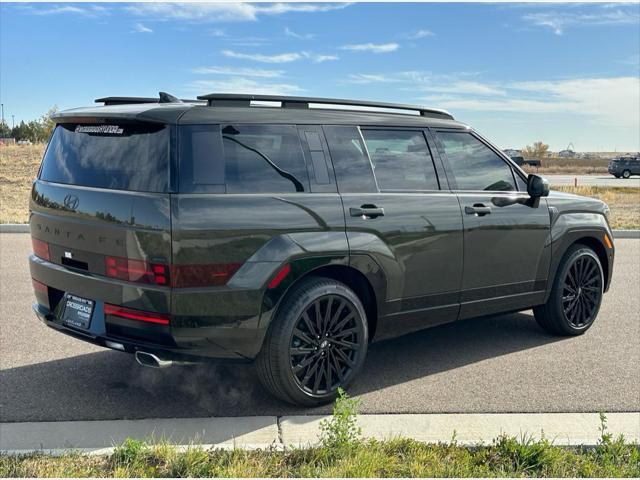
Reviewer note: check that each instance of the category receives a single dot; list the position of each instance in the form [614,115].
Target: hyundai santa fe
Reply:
[291,232]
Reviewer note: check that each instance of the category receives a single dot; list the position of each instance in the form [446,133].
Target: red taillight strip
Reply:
[284,271]
[40,248]
[39,286]
[132,314]
[136,270]
[203,275]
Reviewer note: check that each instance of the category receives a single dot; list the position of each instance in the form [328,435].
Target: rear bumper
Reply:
[213,331]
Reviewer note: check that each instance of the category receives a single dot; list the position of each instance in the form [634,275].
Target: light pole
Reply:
[13,121]
[2,107]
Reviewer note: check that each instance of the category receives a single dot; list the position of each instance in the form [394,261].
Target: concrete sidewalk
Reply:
[98,437]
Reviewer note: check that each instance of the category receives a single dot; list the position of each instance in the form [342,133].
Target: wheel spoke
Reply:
[309,324]
[344,357]
[327,316]
[303,336]
[336,365]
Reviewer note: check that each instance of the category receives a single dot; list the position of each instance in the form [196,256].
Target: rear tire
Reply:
[316,343]
[626,174]
[576,294]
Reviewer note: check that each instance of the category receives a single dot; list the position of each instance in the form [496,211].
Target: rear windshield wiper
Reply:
[281,172]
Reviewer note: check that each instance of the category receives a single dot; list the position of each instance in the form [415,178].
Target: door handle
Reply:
[478,209]
[366,211]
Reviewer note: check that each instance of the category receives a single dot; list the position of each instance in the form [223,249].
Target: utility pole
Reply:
[2,107]
[13,121]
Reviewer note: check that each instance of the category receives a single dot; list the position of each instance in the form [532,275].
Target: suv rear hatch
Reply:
[101,227]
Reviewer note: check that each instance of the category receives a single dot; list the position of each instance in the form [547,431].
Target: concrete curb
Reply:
[24,228]
[98,437]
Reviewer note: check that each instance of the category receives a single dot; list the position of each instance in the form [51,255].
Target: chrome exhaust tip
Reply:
[147,359]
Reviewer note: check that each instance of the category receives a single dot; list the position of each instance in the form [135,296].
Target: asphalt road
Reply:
[601,180]
[497,364]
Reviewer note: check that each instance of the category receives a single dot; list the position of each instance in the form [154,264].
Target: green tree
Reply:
[5,131]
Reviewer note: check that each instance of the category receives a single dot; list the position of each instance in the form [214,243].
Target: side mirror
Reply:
[537,186]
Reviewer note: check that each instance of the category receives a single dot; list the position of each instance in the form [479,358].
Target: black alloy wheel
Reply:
[582,291]
[325,344]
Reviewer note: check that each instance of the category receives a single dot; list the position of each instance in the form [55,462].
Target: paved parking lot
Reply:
[497,364]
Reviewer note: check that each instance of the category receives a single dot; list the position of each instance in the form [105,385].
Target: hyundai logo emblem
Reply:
[71,202]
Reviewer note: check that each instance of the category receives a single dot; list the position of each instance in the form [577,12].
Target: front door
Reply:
[506,233]
[401,218]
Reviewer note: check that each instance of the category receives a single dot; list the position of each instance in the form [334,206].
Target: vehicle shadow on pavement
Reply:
[111,385]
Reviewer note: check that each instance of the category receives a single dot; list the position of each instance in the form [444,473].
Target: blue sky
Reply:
[517,73]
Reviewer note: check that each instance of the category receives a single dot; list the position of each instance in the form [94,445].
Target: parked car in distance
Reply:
[624,166]
[291,232]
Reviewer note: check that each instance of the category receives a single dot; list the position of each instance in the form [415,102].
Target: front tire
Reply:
[316,343]
[576,294]
[626,174]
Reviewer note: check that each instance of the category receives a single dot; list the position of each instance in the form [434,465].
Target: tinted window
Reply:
[241,159]
[123,157]
[350,161]
[401,160]
[202,166]
[264,159]
[475,166]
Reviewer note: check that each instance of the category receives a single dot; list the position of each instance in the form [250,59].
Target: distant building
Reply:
[566,153]
[7,141]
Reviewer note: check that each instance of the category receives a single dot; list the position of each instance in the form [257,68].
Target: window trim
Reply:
[453,181]
[425,136]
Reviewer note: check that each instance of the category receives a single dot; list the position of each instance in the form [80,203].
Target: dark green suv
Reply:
[294,231]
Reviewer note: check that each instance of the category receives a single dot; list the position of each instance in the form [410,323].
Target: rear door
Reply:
[401,218]
[506,233]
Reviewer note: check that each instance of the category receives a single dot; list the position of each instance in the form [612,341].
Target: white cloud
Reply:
[140,28]
[421,34]
[560,21]
[244,72]
[300,36]
[611,101]
[218,32]
[317,58]
[372,47]
[85,11]
[258,57]
[363,78]
[280,57]
[243,85]
[225,12]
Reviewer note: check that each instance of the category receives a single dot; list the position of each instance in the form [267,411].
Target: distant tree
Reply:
[537,150]
[36,131]
[5,131]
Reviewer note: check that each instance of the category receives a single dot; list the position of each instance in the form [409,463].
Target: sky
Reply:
[518,73]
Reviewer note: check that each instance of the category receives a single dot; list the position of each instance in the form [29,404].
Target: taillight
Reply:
[203,275]
[281,275]
[40,248]
[133,314]
[39,286]
[137,271]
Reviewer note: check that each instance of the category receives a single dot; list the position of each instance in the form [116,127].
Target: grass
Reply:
[18,167]
[343,453]
[576,166]
[624,203]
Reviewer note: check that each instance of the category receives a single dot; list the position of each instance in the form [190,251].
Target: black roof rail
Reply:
[161,98]
[244,100]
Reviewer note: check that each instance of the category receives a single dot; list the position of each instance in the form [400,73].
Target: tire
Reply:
[626,173]
[306,357]
[576,294]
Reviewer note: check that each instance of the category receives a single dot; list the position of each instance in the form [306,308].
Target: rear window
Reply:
[242,159]
[115,156]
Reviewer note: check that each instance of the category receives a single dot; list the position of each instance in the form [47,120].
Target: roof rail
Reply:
[162,98]
[244,100]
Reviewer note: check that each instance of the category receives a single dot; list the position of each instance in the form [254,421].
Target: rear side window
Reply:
[401,159]
[242,159]
[350,161]
[475,166]
[122,157]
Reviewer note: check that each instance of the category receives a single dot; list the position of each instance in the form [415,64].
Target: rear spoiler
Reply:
[162,98]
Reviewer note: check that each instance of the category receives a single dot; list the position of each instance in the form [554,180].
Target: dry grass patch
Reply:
[624,203]
[18,167]
[575,166]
